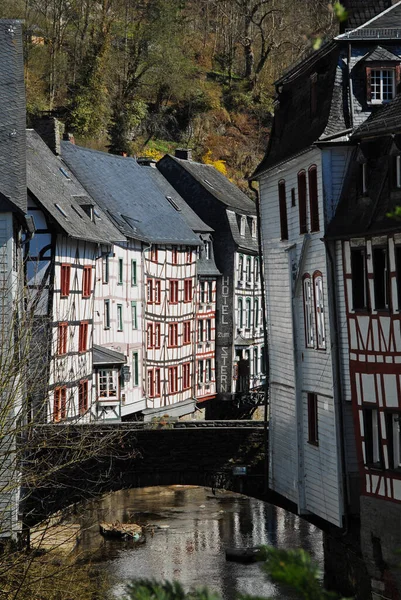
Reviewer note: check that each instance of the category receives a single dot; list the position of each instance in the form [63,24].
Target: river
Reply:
[191,529]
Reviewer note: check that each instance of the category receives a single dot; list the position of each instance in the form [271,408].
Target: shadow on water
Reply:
[188,531]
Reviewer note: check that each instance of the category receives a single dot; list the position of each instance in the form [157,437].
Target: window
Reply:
[248,269]
[60,404]
[133,273]
[107,314]
[248,311]
[149,336]
[256,312]
[157,335]
[208,370]
[360,294]
[186,376]
[256,267]
[308,311]
[65,280]
[188,255]
[207,246]
[319,311]
[107,384]
[172,380]
[187,290]
[105,269]
[86,282]
[149,291]
[173,297]
[203,292]
[173,335]
[208,332]
[135,369]
[303,227]
[174,256]
[157,291]
[393,429]
[312,419]
[120,271]
[83,337]
[153,383]
[62,335]
[119,317]
[200,330]
[240,267]
[381,280]
[83,397]
[134,314]
[293,199]
[255,361]
[154,254]
[313,199]
[372,437]
[283,210]
[242,226]
[187,332]
[240,310]
[254,227]
[200,372]
[380,85]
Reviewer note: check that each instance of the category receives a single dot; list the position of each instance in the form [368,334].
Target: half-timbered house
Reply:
[239,331]
[70,235]
[163,254]
[202,332]
[319,103]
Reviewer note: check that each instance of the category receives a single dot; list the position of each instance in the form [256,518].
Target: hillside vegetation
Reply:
[145,76]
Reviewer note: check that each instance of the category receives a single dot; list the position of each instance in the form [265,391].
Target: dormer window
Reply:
[242,226]
[381,84]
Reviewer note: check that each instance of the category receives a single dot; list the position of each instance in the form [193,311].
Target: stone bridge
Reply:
[64,464]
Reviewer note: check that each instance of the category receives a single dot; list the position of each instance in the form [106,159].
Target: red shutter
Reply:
[157,383]
[65,276]
[83,397]
[83,337]
[87,282]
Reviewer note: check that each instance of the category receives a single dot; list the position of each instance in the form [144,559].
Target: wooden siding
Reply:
[311,475]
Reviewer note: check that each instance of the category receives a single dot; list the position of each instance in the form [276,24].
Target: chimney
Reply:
[68,137]
[145,161]
[183,153]
[49,130]
[12,114]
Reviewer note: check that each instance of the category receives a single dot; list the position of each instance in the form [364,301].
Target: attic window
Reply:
[60,210]
[242,226]
[64,172]
[77,211]
[96,213]
[254,228]
[88,210]
[173,204]
[381,84]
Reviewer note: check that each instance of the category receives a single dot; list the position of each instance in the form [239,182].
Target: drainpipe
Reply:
[334,333]
[350,87]
[255,191]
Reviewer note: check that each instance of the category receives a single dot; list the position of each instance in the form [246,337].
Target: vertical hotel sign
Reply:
[224,339]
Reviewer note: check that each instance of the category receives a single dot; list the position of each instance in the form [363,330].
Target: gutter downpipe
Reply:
[350,87]
[255,191]
[335,330]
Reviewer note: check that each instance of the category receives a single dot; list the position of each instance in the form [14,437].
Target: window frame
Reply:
[186,332]
[318,298]
[157,291]
[383,281]
[83,336]
[109,379]
[135,369]
[380,68]
[87,281]
[308,310]
[173,379]
[83,396]
[173,335]
[65,280]
[149,336]
[188,290]
[59,403]
[120,321]
[282,200]
[157,336]
[240,312]
[134,314]
[106,308]
[105,268]
[134,273]
[62,338]
[173,291]
[120,278]
[186,376]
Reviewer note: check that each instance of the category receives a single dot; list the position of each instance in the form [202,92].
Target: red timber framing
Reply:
[374,337]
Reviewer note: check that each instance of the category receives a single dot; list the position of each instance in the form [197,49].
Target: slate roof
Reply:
[245,242]
[361,11]
[380,54]
[386,120]
[386,25]
[128,195]
[218,185]
[50,181]
[294,129]
[12,114]
[360,215]
[106,356]
[190,216]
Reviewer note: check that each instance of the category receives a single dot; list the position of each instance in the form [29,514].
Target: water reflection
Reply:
[192,527]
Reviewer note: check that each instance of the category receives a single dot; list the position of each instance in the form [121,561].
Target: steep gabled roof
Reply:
[61,195]
[172,196]
[124,190]
[12,114]
[106,356]
[384,26]
[361,11]
[386,120]
[216,184]
[245,242]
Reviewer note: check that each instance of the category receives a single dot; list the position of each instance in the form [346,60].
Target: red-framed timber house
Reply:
[369,241]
